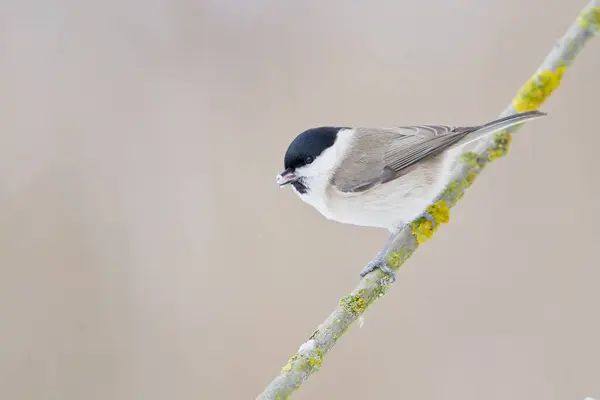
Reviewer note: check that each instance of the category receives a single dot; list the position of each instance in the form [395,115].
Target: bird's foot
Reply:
[429,218]
[378,262]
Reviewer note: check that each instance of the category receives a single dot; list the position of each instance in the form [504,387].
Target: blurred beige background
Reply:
[147,253]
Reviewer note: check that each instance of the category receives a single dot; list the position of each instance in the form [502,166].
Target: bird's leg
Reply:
[379,260]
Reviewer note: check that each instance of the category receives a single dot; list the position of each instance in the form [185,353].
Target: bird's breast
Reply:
[389,205]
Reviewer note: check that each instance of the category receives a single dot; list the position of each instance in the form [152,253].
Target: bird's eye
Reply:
[309,159]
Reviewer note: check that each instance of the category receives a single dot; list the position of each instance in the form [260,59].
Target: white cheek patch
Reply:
[326,163]
[317,175]
[313,170]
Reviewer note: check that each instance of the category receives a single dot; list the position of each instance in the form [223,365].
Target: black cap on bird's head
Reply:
[303,150]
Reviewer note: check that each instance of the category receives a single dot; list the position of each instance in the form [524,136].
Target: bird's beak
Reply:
[286,177]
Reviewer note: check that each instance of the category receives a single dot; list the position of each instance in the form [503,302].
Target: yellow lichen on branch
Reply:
[539,87]
[354,304]
[423,229]
[590,18]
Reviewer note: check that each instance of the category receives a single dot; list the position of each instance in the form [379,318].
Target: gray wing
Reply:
[378,156]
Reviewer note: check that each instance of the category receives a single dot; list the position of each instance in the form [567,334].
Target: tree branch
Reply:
[532,94]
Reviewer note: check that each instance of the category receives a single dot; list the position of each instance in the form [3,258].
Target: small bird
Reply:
[380,177]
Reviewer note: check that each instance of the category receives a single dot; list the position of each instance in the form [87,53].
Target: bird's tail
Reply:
[499,125]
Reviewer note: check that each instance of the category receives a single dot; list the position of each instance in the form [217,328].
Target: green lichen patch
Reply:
[454,192]
[354,304]
[395,259]
[472,159]
[316,360]
[501,145]
[452,189]
[305,362]
[289,365]
[590,18]
[471,175]
[537,89]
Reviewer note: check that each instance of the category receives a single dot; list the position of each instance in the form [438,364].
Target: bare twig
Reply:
[532,94]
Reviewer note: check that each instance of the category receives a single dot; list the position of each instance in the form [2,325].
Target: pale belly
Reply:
[390,205]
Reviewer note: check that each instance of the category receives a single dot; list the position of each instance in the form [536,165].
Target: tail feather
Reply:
[500,124]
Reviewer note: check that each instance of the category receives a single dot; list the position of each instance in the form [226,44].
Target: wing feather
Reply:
[378,156]
[382,155]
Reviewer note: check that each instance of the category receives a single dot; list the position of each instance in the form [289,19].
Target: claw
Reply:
[430,218]
[378,263]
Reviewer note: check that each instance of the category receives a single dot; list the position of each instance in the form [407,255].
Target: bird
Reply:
[380,177]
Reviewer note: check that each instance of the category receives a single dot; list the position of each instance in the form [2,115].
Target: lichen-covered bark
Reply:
[532,94]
